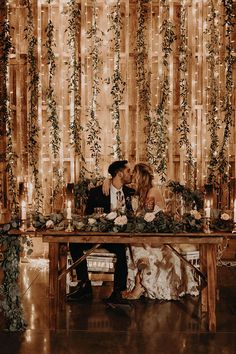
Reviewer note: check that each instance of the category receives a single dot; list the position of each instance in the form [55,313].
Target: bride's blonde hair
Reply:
[144,181]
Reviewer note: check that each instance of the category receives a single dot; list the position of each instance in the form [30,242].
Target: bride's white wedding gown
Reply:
[165,276]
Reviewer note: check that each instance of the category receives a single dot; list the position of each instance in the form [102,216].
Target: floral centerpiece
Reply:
[223,222]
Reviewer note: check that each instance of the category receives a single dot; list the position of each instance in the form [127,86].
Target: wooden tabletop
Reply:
[139,238]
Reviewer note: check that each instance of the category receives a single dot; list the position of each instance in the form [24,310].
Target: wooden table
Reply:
[58,252]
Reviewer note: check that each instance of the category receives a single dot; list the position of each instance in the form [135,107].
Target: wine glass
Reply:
[135,203]
[149,204]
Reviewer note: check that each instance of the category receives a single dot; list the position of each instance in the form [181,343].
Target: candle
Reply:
[30,192]
[208,209]
[69,209]
[23,210]
[235,210]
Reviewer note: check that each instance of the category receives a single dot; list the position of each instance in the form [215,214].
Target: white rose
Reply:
[79,225]
[112,215]
[121,220]
[49,224]
[149,217]
[225,216]
[91,221]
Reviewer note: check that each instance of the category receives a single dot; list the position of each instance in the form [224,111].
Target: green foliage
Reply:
[213,92]
[158,142]
[227,105]
[93,126]
[6,122]
[162,223]
[183,126]
[82,188]
[192,198]
[32,119]
[118,85]
[55,139]
[74,67]
[10,302]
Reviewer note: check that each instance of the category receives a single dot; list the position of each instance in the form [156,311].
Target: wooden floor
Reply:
[151,327]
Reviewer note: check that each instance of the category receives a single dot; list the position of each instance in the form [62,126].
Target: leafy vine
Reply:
[213,89]
[142,74]
[159,129]
[50,94]
[74,65]
[6,124]
[53,118]
[118,85]
[33,87]
[93,126]
[227,105]
[183,127]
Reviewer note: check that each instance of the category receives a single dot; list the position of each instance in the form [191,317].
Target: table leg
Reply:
[203,267]
[211,286]
[53,284]
[62,281]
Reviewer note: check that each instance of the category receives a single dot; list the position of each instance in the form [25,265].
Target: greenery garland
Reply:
[10,302]
[93,126]
[6,124]
[142,74]
[33,87]
[213,89]
[118,85]
[159,129]
[183,126]
[53,118]
[55,138]
[74,66]
[227,106]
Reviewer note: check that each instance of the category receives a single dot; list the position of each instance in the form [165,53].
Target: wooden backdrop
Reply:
[131,120]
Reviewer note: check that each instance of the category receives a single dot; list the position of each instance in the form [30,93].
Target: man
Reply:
[121,175]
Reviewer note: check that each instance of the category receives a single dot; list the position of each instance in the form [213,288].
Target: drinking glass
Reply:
[149,204]
[135,203]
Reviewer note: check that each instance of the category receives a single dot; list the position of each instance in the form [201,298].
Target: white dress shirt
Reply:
[113,197]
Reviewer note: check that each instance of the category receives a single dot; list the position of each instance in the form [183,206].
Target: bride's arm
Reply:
[106,186]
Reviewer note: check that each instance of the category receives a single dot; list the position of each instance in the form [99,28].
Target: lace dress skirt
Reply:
[163,275]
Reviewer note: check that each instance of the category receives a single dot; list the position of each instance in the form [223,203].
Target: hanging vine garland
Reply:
[118,85]
[93,126]
[227,106]
[183,127]
[55,139]
[74,67]
[6,125]
[213,92]
[53,119]
[142,74]
[159,129]
[33,126]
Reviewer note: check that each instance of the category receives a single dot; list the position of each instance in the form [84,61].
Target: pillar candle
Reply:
[208,209]
[68,209]
[30,192]
[23,210]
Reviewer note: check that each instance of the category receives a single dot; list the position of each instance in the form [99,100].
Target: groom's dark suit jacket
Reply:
[97,199]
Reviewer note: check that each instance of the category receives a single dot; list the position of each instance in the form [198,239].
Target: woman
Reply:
[155,271]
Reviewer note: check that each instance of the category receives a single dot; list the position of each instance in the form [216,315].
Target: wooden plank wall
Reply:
[132,123]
